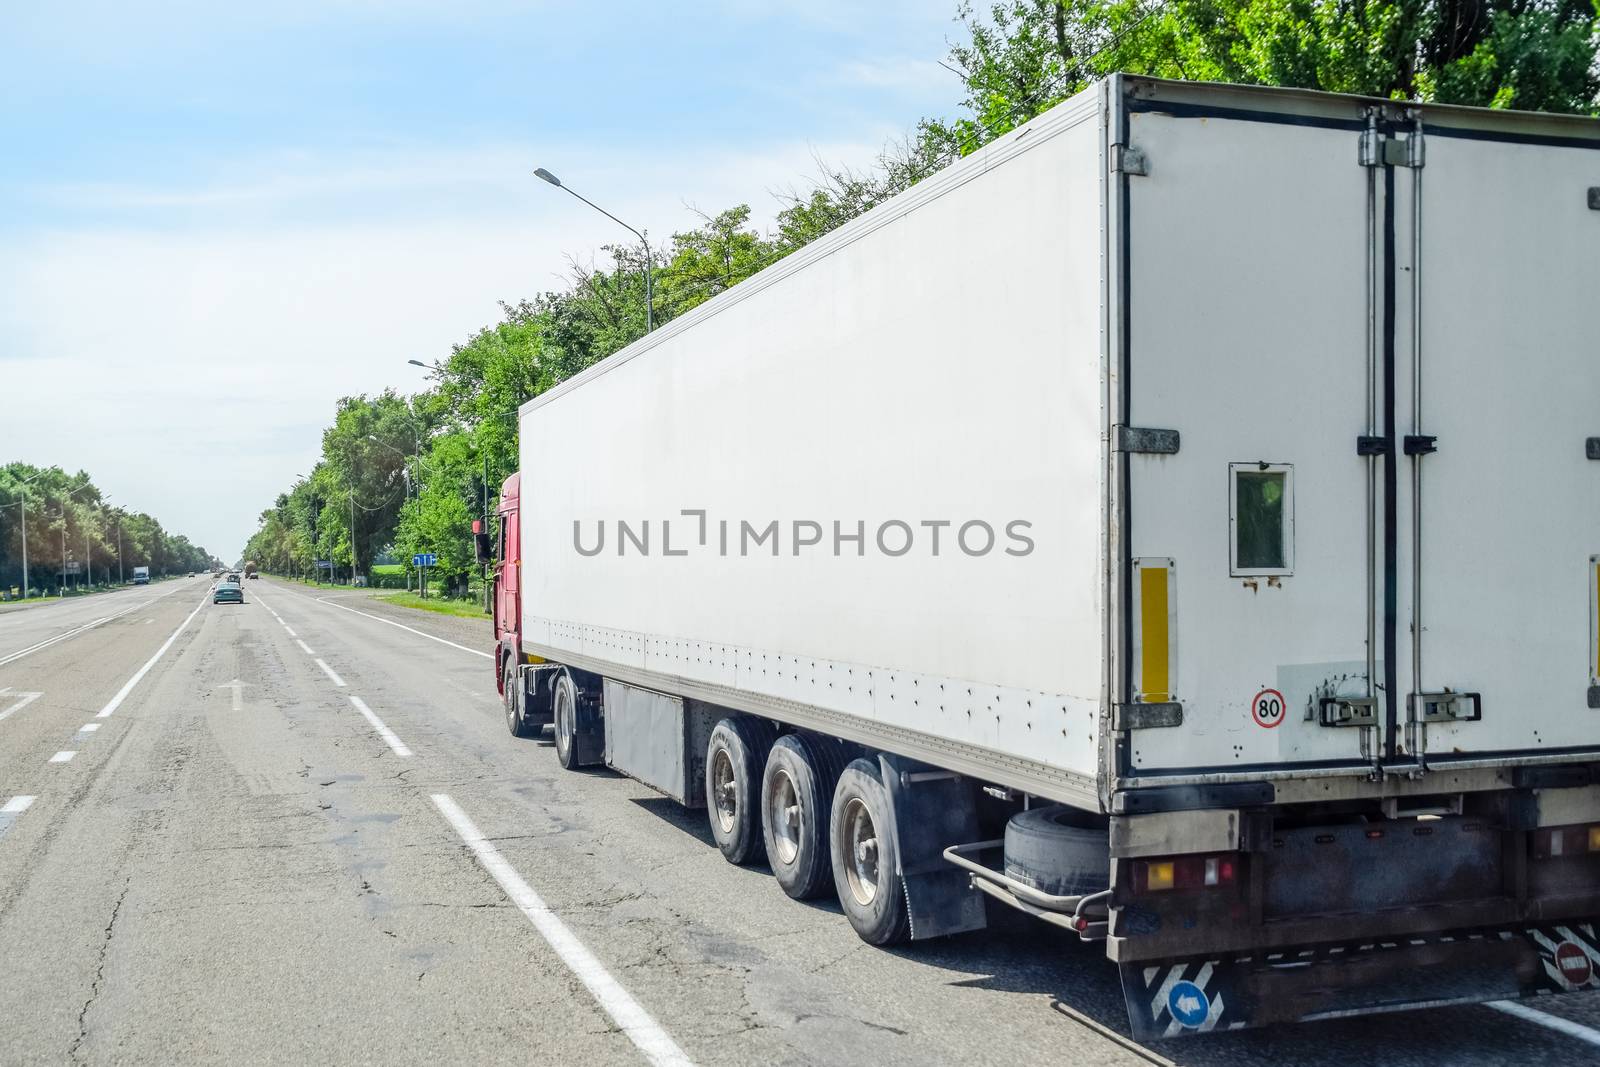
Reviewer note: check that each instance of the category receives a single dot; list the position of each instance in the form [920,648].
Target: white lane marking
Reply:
[384,732]
[627,1013]
[138,676]
[88,728]
[11,810]
[62,757]
[1552,1022]
[338,681]
[291,632]
[304,647]
[419,633]
[27,698]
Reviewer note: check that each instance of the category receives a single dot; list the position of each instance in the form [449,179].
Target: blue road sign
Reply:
[324,564]
[424,559]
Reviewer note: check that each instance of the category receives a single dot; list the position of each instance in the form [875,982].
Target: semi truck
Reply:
[1178,521]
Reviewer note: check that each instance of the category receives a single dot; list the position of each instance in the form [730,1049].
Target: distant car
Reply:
[228,593]
[233,576]
[253,574]
[191,574]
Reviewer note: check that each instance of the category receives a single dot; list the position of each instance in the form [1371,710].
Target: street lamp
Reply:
[649,298]
[23,505]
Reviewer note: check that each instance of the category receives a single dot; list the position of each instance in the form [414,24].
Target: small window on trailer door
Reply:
[1260,519]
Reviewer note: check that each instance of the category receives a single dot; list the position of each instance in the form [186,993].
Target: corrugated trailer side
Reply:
[863,491]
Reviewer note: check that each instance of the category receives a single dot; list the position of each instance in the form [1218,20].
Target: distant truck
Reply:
[1178,520]
[250,569]
[141,576]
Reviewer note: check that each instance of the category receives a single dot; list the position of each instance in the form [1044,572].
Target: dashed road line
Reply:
[629,1015]
[63,757]
[75,631]
[138,676]
[24,700]
[304,647]
[384,732]
[11,809]
[338,681]
[290,630]
[89,727]
[1545,1019]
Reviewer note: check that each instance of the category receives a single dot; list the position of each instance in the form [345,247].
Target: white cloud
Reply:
[189,366]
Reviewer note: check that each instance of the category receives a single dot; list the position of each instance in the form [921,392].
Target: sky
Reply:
[216,220]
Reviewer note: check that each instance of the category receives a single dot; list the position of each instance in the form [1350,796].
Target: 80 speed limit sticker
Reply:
[1268,708]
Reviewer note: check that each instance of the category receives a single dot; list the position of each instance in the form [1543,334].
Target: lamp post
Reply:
[23,505]
[649,284]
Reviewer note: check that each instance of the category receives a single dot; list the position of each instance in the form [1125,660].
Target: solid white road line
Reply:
[138,676]
[31,649]
[419,633]
[11,809]
[338,681]
[26,699]
[304,647]
[1552,1022]
[384,732]
[62,757]
[657,1046]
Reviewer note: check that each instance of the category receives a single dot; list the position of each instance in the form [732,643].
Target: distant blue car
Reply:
[228,593]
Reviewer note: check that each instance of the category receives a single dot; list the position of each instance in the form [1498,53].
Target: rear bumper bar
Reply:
[1231,992]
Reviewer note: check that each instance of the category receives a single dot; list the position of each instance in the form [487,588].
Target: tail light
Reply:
[1556,841]
[1185,873]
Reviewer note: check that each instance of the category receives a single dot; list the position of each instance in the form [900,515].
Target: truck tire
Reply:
[735,754]
[516,721]
[576,724]
[796,801]
[864,860]
[1059,850]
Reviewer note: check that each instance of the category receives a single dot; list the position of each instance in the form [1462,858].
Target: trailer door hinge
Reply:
[1421,444]
[1591,448]
[1147,716]
[1128,159]
[1144,439]
[1594,198]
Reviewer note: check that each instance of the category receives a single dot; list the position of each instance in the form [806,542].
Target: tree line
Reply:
[75,537]
[409,474]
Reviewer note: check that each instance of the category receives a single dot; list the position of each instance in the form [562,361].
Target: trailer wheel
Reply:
[734,757]
[796,799]
[516,721]
[1059,850]
[864,860]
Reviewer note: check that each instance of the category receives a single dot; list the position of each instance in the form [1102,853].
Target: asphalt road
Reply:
[290,832]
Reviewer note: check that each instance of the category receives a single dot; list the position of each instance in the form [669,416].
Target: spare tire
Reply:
[1059,850]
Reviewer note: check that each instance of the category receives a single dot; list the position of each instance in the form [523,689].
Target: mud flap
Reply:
[933,810]
[1174,998]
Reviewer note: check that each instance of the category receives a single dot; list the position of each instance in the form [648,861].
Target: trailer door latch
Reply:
[1145,439]
[1367,445]
[1446,707]
[1348,711]
[1591,448]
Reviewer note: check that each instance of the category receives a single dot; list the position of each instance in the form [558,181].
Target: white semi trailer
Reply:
[1178,520]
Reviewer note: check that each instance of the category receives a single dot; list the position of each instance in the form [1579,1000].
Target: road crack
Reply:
[95,987]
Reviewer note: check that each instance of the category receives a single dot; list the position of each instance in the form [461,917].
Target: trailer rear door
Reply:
[1506,568]
[1246,330]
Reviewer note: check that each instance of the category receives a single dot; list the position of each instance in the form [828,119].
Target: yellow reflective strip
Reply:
[1155,687]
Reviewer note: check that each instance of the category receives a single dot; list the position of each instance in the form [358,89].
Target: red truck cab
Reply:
[508,581]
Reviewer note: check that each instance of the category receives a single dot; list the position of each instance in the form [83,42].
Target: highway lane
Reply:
[250,861]
[26,629]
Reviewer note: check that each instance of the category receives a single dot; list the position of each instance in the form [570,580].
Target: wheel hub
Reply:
[724,792]
[861,851]
[783,816]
